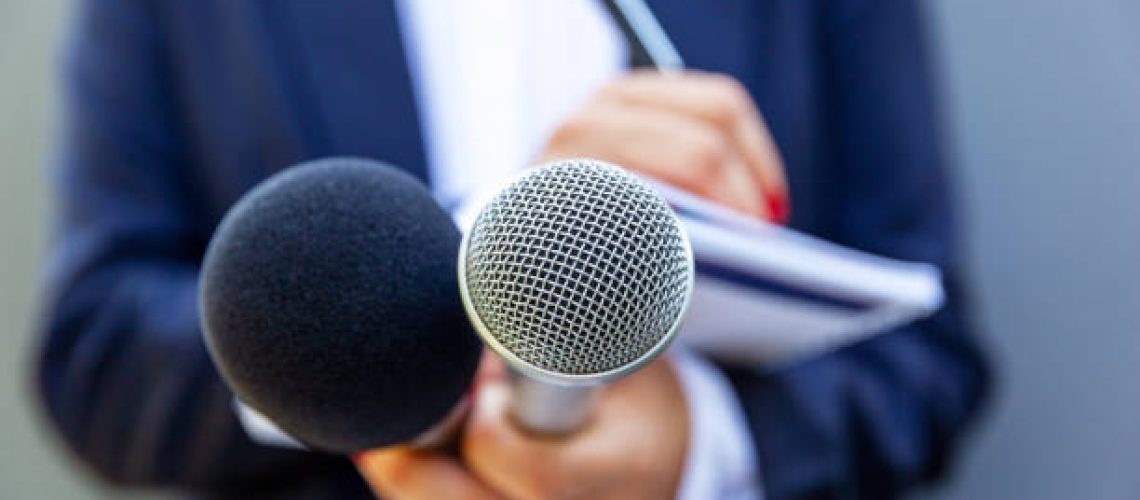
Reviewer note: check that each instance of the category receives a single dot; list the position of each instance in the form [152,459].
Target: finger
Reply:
[603,456]
[521,464]
[490,368]
[404,473]
[741,184]
[753,135]
[768,165]
[648,406]
[676,149]
[487,441]
[717,99]
[721,102]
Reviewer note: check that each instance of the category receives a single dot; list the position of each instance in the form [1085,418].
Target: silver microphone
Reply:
[577,274]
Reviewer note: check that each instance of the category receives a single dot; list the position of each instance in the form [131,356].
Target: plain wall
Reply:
[1044,103]
[29,467]
[32,463]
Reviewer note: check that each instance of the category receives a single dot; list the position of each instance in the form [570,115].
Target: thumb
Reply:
[491,404]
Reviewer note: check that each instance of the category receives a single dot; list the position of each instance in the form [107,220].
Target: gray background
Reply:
[1044,101]
[1045,97]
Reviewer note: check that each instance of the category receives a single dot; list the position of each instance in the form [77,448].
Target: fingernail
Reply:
[778,207]
[357,458]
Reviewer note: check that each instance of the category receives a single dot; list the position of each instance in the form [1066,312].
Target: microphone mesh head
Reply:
[578,268]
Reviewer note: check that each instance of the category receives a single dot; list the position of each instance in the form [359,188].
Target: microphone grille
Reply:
[578,268]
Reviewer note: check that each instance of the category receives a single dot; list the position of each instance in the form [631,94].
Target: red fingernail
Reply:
[357,457]
[778,207]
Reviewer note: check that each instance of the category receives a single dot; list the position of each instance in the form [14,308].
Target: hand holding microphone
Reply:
[633,446]
[576,275]
[331,305]
[699,132]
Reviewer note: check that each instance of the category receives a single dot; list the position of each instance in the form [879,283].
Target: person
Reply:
[175,109]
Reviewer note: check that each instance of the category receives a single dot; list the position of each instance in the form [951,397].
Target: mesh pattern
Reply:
[577,268]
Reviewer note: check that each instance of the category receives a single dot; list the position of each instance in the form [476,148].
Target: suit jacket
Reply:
[175,108]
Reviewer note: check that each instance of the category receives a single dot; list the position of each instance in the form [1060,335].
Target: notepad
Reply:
[768,294]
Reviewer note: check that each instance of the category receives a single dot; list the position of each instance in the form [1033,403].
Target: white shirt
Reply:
[493,78]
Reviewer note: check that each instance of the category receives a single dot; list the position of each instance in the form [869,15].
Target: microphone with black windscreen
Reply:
[576,274]
[330,306]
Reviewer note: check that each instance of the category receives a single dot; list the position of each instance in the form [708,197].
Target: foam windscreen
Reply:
[330,304]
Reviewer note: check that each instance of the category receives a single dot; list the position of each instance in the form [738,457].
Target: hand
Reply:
[634,446]
[697,131]
[404,473]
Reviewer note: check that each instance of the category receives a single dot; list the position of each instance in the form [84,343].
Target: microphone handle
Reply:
[548,408]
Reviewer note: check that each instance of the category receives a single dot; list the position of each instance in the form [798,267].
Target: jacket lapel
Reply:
[352,54]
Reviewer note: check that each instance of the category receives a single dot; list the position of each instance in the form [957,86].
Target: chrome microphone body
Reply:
[577,274]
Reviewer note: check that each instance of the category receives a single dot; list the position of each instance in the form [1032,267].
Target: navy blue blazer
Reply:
[175,108]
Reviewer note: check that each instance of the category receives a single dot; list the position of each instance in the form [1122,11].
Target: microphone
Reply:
[577,274]
[329,304]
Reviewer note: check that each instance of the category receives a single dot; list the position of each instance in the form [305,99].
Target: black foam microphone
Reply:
[330,305]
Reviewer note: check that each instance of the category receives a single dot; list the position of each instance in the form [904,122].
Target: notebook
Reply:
[768,294]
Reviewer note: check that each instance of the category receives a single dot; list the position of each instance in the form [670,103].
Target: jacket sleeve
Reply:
[873,419]
[123,372]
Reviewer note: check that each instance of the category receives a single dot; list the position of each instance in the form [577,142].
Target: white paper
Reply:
[768,294]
